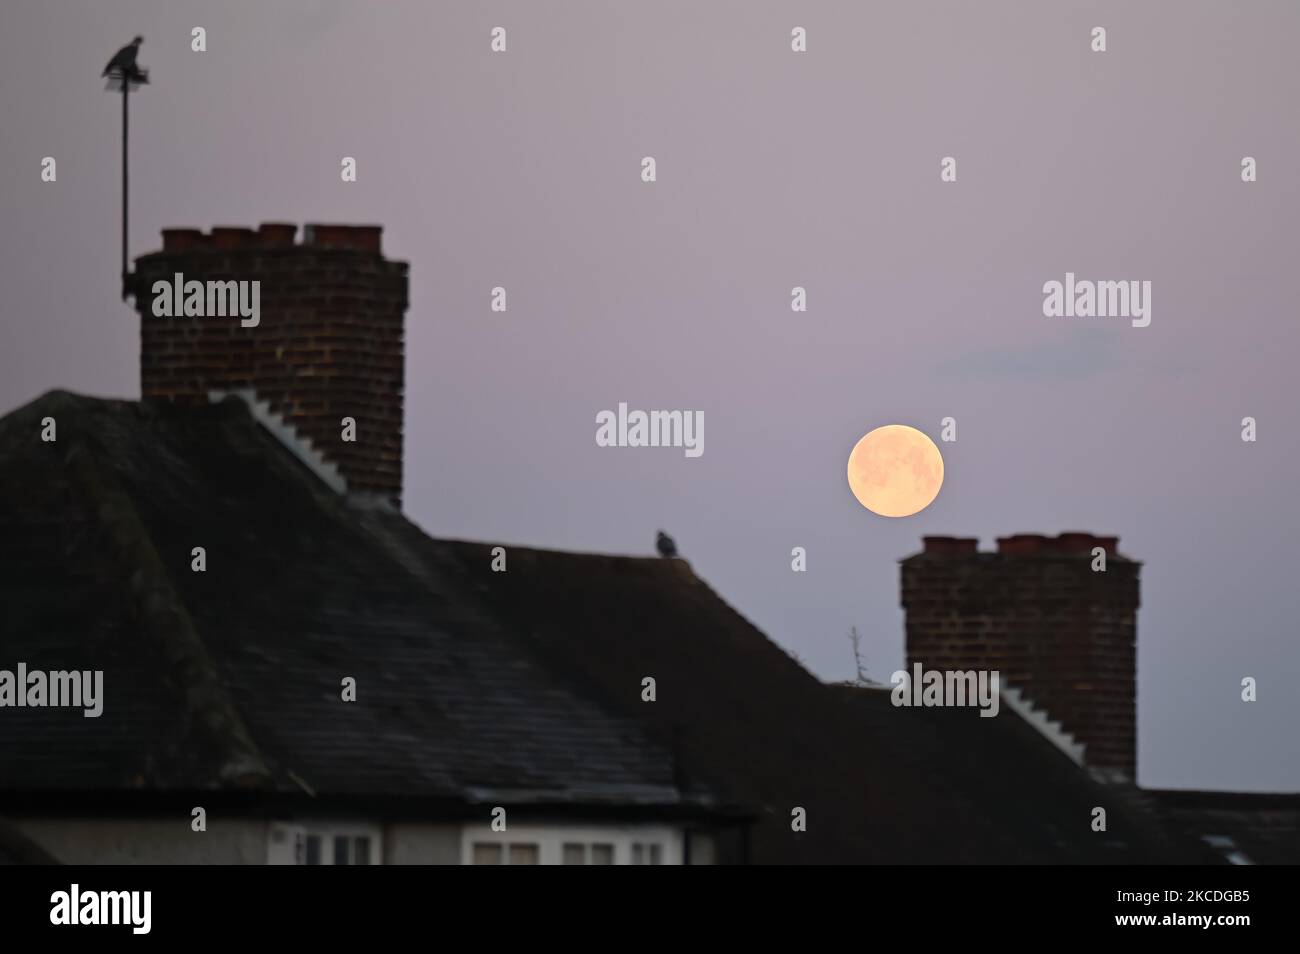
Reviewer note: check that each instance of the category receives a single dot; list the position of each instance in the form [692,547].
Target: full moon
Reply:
[895,471]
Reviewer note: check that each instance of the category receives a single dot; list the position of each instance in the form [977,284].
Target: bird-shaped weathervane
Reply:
[665,545]
[123,66]
[125,74]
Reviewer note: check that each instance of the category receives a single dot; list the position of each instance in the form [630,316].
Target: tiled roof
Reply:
[879,783]
[1255,827]
[231,678]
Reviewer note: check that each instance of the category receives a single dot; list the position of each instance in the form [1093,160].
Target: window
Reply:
[348,849]
[351,850]
[324,844]
[524,854]
[574,854]
[644,853]
[571,844]
[486,854]
[578,853]
[513,853]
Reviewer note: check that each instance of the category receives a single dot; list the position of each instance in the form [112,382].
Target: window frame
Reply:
[551,839]
[283,839]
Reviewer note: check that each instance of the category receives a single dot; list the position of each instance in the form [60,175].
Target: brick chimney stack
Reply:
[328,343]
[1062,633]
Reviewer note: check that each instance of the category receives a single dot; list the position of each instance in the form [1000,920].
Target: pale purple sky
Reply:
[775,170]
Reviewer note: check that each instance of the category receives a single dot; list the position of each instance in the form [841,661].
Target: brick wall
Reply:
[329,343]
[1036,611]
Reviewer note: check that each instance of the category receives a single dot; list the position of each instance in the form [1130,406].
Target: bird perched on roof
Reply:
[665,545]
[123,60]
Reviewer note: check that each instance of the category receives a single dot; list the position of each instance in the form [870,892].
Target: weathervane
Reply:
[124,74]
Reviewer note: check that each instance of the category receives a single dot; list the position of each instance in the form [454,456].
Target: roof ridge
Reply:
[678,563]
[166,620]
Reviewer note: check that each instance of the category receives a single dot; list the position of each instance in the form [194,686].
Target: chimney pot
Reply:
[180,240]
[1109,544]
[1022,544]
[1076,542]
[360,238]
[951,546]
[277,234]
[225,237]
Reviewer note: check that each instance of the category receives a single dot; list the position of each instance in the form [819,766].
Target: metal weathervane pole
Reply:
[126,92]
[124,74]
